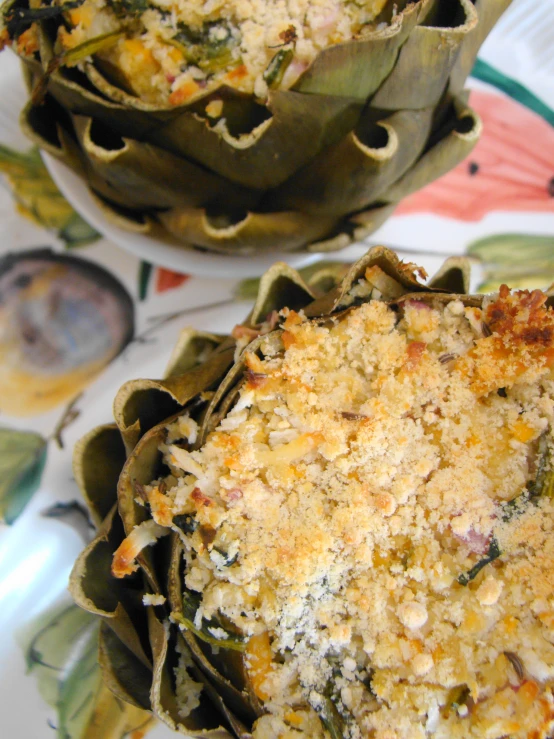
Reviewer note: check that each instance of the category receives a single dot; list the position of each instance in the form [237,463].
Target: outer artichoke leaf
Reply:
[41,125]
[379,256]
[201,722]
[125,675]
[144,176]
[441,157]
[97,461]
[192,347]
[94,589]
[357,68]
[489,11]
[299,127]
[366,222]
[426,59]
[355,172]
[227,385]
[64,86]
[280,286]
[453,276]
[239,729]
[141,404]
[247,233]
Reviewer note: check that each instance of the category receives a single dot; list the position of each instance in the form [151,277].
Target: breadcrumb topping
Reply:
[368,514]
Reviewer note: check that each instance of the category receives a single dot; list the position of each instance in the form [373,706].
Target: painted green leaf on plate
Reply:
[63,655]
[524,261]
[39,199]
[22,458]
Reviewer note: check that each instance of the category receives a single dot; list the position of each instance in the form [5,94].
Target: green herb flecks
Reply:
[492,554]
[277,67]
[18,20]
[211,49]
[186,522]
[128,8]
[209,630]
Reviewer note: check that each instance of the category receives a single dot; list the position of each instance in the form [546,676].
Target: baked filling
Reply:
[374,518]
[168,51]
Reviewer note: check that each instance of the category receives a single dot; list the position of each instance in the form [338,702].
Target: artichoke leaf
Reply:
[239,729]
[213,663]
[249,232]
[357,68]
[442,156]
[97,461]
[453,276]
[125,675]
[489,11]
[44,131]
[300,126]
[144,176]
[366,222]
[192,347]
[421,72]
[355,172]
[141,404]
[106,596]
[280,286]
[379,256]
[201,722]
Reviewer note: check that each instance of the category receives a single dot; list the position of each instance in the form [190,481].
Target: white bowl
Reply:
[161,253]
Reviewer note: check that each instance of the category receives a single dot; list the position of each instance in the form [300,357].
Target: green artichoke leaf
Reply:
[223,667]
[430,48]
[239,729]
[202,721]
[94,589]
[44,131]
[22,460]
[379,256]
[280,286]
[249,232]
[123,673]
[141,404]
[141,175]
[463,132]
[355,172]
[357,68]
[299,127]
[354,228]
[97,461]
[191,348]
[489,11]
[319,278]
[453,276]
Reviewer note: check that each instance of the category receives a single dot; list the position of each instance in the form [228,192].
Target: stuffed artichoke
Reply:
[251,125]
[337,522]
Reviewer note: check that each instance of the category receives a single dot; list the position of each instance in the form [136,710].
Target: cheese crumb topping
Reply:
[369,515]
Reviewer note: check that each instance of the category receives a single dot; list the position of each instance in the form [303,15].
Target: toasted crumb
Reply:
[370,523]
